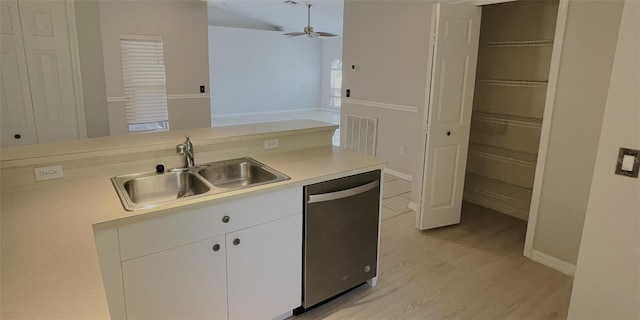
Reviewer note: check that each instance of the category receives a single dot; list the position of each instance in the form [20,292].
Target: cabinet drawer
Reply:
[163,233]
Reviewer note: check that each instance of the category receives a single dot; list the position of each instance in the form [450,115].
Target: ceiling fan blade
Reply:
[325,34]
[294,34]
[308,30]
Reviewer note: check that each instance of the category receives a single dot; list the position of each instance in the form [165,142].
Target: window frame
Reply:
[335,91]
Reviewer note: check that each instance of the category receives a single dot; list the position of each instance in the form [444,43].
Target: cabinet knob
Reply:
[448,133]
[226,219]
[17,136]
[236,241]
[216,247]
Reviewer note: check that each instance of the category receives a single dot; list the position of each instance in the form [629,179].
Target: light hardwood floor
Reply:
[474,270]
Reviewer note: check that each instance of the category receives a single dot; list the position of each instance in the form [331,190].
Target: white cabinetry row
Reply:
[235,260]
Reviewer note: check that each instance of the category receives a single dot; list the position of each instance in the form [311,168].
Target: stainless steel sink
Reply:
[144,190]
[150,189]
[239,173]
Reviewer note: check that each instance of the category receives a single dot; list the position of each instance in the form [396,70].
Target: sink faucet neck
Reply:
[186,149]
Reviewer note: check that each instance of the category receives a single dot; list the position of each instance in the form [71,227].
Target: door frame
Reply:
[554,69]
[552,86]
[72,31]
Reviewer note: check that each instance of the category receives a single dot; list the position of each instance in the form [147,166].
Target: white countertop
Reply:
[137,142]
[49,261]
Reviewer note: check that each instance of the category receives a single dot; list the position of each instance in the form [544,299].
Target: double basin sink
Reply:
[151,189]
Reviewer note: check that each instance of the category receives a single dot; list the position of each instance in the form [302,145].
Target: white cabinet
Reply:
[185,282]
[170,267]
[264,269]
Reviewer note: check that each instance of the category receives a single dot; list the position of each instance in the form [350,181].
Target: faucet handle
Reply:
[181,148]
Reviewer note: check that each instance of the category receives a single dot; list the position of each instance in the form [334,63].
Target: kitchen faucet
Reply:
[186,149]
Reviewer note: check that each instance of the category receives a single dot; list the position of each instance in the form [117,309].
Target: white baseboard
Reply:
[553,262]
[334,110]
[398,174]
[412,206]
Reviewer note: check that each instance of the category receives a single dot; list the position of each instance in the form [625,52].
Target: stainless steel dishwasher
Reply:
[340,248]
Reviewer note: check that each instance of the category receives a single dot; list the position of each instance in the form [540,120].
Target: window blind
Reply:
[144,83]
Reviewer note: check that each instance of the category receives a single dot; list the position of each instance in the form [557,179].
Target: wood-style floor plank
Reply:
[474,270]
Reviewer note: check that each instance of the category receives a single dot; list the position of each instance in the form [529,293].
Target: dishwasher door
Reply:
[341,219]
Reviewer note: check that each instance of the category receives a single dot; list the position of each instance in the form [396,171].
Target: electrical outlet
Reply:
[402,150]
[47,173]
[271,144]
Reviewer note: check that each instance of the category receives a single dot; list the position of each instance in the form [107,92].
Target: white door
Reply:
[48,54]
[454,57]
[264,269]
[17,123]
[187,282]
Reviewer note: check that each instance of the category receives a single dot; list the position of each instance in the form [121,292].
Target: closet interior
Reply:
[516,41]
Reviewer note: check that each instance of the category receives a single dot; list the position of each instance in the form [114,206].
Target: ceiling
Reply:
[326,15]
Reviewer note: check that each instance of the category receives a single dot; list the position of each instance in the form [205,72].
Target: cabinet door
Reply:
[265,269]
[186,282]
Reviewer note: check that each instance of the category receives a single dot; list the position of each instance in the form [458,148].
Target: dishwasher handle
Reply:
[344,193]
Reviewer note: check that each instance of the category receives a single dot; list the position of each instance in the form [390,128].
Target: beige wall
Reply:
[583,82]
[183,27]
[607,280]
[388,42]
[92,68]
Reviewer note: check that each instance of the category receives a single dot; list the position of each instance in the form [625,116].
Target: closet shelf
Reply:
[522,159]
[513,83]
[509,121]
[521,43]
[496,195]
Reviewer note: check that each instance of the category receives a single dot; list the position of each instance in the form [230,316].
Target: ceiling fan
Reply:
[308,30]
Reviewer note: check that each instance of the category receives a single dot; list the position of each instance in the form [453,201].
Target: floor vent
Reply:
[360,134]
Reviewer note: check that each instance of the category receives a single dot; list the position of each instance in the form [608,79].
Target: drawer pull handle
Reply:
[344,193]
[236,242]
[226,219]
[216,247]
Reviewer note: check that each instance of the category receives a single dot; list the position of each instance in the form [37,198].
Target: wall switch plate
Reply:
[270,144]
[628,163]
[402,150]
[47,173]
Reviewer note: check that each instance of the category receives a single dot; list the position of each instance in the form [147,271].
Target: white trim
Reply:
[330,109]
[261,113]
[169,97]
[480,2]
[554,70]
[125,36]
[188,96]
[380,105]
[72,33]
[398,174]
[413,206]
[116,99]
[553,262]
